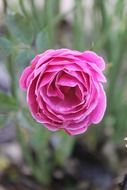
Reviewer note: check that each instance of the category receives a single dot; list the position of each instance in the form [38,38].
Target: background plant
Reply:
[29,32]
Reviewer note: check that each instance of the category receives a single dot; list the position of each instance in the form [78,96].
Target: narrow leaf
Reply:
[5,46]
[42,42]
[20,28]
[23,57]
[7,103]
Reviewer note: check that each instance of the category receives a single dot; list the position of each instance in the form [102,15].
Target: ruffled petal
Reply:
[92,57]
[99,111]
[23,79]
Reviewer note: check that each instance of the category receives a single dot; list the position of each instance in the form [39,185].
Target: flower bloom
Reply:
[64,89]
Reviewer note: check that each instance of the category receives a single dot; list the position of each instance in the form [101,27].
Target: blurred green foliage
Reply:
[29,32]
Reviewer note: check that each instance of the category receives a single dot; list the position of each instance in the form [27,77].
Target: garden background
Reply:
[31,157]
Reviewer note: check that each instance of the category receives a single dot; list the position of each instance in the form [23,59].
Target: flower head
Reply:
[64,89]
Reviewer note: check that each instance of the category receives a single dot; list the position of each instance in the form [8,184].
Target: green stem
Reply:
[21,2]
[5,6]
[113,75]
[11,71]
[25,149]
[35,15]
[106,26]
[78,30]
[51,10]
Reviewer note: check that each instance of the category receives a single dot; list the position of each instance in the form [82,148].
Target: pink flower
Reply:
[64,89]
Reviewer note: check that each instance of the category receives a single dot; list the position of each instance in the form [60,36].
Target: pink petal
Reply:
[92,57]
[99,111]
[78,128]
[23,79]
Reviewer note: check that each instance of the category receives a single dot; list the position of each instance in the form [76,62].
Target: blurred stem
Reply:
[25,149]
[40,138]
[119,8]
[11,71]
[106,28]
[114,74]
[34,13]
[59,17]
[51,9]
[42,154]
[101,5]
[61,155]
[118,55]
[21,2]
[78,26]
[5,6]
[36,168]
[30,16]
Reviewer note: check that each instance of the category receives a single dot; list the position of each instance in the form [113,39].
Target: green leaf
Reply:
[42,41]
[63,140]
[40,167]
[20,28]
[24,118]
[7,103]
[23,57]
[5,46]
[40,133]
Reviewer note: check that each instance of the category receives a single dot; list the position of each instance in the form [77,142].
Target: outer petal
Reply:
[78,128]
[99,111]
[76,132]
[23,79]
[94,58]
